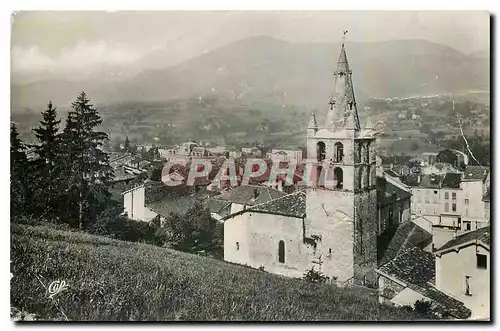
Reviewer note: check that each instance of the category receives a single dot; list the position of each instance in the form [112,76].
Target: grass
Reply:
[114,280]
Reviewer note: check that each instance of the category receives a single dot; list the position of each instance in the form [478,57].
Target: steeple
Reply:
[343,113]
[312,127]
[312,122]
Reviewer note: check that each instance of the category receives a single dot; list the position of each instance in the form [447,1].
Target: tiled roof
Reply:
[443,303]
[475,172]
[214,205]
[293,205]
[407,235]
[412,266]
[482,235]
[416,269]
[430,181]
[451,180]
[250,195]
[176,203]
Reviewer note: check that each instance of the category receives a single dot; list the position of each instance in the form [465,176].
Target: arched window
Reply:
[281,251]
[339,152]
[338,175]
[321,151]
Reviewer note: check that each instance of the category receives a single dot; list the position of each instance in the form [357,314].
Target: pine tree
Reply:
[88,171]
[19,189]
[47,168]
[46,133]
[126,145]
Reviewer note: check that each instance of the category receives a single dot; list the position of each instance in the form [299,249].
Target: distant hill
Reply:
[267,69]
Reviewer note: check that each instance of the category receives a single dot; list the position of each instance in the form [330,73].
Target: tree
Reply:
[19,185]
[126,145]
[47,168]
[87,168]
[447,156]
[194,231]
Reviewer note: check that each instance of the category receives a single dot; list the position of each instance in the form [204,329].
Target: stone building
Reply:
[331,225]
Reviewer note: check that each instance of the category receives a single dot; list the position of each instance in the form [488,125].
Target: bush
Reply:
[314,276]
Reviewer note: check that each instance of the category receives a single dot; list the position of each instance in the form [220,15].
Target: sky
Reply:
[65,42]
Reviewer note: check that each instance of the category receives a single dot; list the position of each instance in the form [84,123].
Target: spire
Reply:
[343,113]
[312,122]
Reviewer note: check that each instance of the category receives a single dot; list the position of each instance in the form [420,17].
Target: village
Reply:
[414,231]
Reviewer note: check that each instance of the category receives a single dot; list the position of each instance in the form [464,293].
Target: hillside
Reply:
[277,71]
[114,280]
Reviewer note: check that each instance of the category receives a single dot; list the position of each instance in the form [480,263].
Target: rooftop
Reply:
[416,269]
[476,172]
[480,235]
[407,235]
[293,205]
[250,195]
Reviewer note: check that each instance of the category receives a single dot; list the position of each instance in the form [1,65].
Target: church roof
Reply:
[293,205]
[343,112]
[250,195]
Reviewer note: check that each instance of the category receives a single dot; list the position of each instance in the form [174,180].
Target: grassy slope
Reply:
[114,280]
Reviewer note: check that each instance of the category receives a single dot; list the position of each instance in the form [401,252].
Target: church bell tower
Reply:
[341,201]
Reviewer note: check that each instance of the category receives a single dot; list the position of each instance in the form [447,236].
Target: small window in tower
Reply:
[281,251]
[339,151]
[329,251]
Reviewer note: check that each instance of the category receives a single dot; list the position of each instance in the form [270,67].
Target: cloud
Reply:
[84,56]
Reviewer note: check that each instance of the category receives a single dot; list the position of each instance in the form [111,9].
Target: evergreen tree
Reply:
[19,193]
[47,168]
[46,133]
[87,167]
[126,145]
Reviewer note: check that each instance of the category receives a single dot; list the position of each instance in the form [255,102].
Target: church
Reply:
[328,228]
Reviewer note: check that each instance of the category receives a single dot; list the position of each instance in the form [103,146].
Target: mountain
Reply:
[266,69]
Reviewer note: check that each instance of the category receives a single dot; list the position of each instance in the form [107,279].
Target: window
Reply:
[446,195]
[281,251]
[321,151]
[329,251]
[467,226]
[435,192]
[454,196]
[338,175]
[467,286]
[454,207]
[466,201]
[481,261]
[237,246]
[446,207]
[339,152]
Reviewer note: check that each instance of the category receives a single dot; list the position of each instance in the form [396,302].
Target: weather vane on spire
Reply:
[343,37]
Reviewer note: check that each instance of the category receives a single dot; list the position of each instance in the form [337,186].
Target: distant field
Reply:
[114,280]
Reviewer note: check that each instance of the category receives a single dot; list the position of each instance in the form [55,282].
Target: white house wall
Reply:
[451,269]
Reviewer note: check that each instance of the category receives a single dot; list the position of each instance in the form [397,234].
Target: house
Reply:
[393,202]
[251,151]
[463,270]
[409,277]
[331,225]
[293,154]
[150,200]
